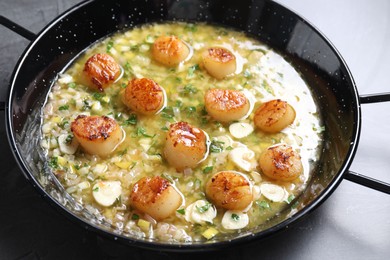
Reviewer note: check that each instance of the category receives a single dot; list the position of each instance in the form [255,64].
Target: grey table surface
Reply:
[353,223]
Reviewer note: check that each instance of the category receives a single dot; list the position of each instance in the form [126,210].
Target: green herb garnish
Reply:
[203,208]
[263,204]
[64,107]
[235,217]
[109,46]
[181,211]
[208,169]
[216,146]
[53,162]
[192,69]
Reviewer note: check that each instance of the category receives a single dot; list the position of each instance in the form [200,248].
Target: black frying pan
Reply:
[310,52]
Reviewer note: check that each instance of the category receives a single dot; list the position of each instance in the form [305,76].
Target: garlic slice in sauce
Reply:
[106,192]
[68,144]
[201,211]
[240,129]
[273,192]
[234,220]
[244,158]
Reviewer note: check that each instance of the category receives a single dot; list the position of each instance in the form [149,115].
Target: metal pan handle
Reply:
[19,30]
[362,179]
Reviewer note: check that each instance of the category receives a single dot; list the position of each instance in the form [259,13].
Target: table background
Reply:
[354,223]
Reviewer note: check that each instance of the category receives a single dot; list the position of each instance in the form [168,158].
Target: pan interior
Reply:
[309,52]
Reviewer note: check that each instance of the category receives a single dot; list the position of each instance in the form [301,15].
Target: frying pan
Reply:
[308,50]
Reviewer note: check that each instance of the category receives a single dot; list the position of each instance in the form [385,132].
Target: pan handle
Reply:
[19,30]
[362,179]
[367,181]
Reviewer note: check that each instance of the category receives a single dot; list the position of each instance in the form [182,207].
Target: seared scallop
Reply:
[219,62]
[144,96]
[170,50]
[273,116]
[156,197]
[230,190]
[226,105]
[281,162]
[185,146]
[98,135]
[100,71]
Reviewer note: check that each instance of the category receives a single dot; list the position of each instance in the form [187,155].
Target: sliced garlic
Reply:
[99,169]
[256,192]
[65,79]
[235,220]
[273,192]
[67,146]
[106,192]
[201,211]
[244,158]
[240,129]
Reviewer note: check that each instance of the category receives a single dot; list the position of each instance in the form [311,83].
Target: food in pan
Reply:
[181,132]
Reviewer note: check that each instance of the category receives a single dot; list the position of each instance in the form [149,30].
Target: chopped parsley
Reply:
[109,46]
[216,146]
[181,211]
[98,96]
[263,204]
[69,139]
[140,131]
[191,27]
[134,217]
[96,189]
[235,217]
[64,107]
[208,169]
[203,208]
[192,69]
[53,162]
[189,89]
[132,120]
[71,85]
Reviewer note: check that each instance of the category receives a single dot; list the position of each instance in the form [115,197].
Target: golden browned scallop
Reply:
[100,71]
[219,62]
[230,190]
[156,197]
[144,96]
[273,116]
[169,50]
[281,162]
[226,105]
[185,146]
[98,135]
